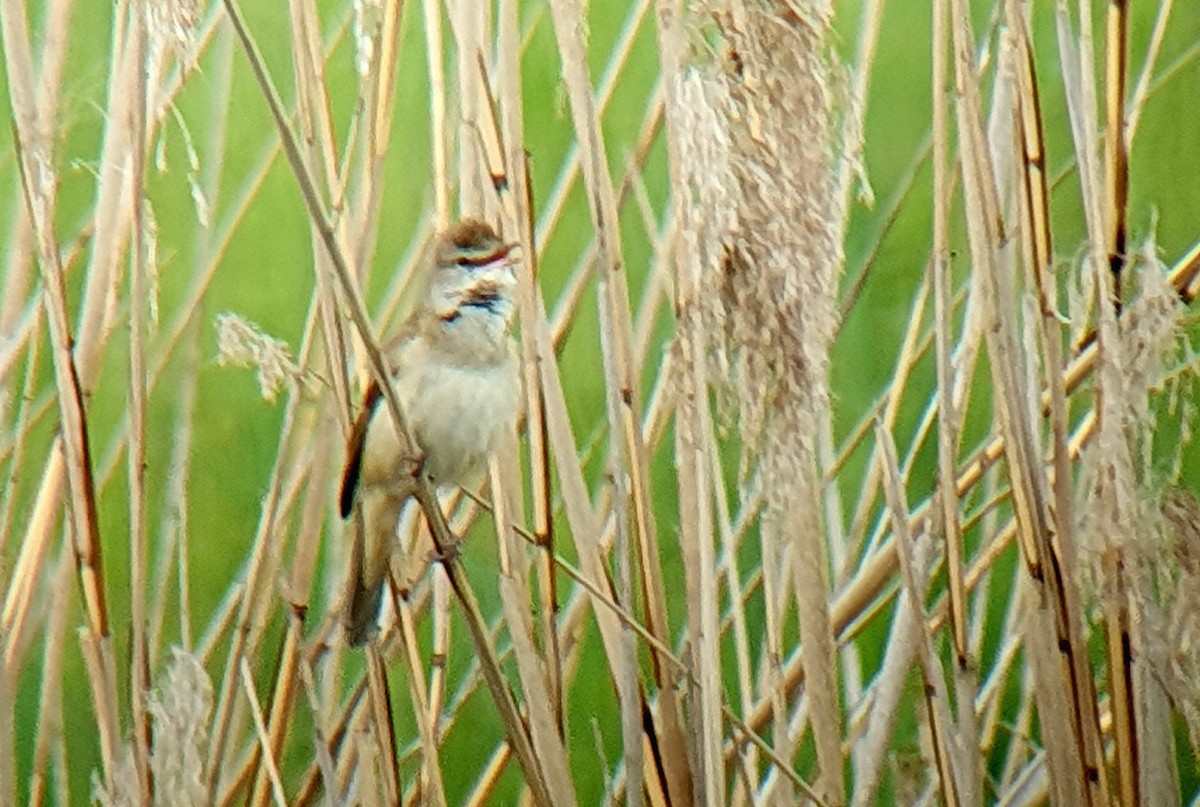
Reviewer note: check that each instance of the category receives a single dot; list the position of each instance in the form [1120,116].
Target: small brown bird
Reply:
[454,367]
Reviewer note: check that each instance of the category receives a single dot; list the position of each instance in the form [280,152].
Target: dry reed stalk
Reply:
[50,721]
[1078,755]
[260,727]
[73,447]
[628,458]
[540,706]
[1116,150]
[1117,611]
[511,93]
[430,786]
[141,248]
[947,752]
[616,335]
[540,672]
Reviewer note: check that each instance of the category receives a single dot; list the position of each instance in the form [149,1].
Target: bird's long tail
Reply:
[370,560]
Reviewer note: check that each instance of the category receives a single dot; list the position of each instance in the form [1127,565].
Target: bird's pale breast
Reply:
[458,415]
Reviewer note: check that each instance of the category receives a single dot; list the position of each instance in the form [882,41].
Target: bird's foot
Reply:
[447,552]
[416,464]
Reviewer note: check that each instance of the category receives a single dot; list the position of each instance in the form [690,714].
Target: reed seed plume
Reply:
[243,344]
[762,224]
[774,239]
[180,710]
[173,26]
[1167,575]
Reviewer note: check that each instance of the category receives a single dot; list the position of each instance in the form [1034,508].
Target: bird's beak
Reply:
[513,255]
[502,270]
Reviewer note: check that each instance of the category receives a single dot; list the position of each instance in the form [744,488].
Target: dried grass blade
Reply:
[139,679]
[379,708]
[30,563]
[264,741]
[947,749]
[985,229]
[50,717]
[1141,92]
[432,15]
[508,166]
[621,384]
[431,787]
[1123,705]
[37,183]
[482,794]
[281,705]
[948,418]
[514,726]
[540,706]
[1116,145]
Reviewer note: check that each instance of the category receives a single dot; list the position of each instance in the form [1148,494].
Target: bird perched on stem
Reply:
[454,367]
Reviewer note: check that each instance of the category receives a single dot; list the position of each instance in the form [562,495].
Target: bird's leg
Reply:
[416,461]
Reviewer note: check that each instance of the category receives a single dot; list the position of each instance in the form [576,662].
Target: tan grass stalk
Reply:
[863,591]
[279,704]
[952,774]
[141,254]
[1021,455]
[251,604]
[379,705]
[1116,145]
[912,349]
[432,15]
[431,787]
[1079,760]
[1141,92]
[511,93]
[113,209]
[37,182]
[1117,615]
[501,140]
[540,706]
[50,718]
[29,567]
[481,794]
[948,420]
[629,455]
[297,591]
[261,727]
[1035,234]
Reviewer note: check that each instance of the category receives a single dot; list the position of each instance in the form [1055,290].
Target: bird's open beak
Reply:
[501,271]
[513,255]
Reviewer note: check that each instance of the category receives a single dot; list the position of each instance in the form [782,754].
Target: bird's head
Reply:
[471,291]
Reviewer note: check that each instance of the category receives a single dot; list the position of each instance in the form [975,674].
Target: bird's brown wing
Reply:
[356,442]
[355,445]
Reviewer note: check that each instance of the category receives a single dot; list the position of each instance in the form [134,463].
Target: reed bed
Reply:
[856,459]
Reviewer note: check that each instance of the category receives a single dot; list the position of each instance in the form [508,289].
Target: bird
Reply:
[453,364]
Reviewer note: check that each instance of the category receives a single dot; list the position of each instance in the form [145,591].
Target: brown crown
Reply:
[472,234]
[470,242]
